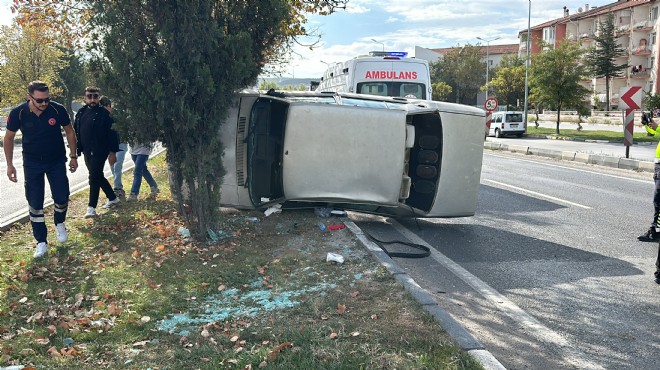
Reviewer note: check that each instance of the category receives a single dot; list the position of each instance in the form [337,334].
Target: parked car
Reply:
[382,155]
[508,123]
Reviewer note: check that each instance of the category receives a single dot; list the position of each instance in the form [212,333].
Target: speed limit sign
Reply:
[490,104]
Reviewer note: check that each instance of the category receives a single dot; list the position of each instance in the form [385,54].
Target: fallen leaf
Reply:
[355,334]
[205,333]
[234,338]
[341,308]
[204,359]
[272,355]
[355,294]
[42,341]
[145,319]
[23,300]
[221,288]
[53,352]
[374,317]
[160,248]
[52,329]
[114,310]
[333,335]
[140,344]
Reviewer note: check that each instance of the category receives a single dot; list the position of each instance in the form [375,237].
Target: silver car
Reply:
[390,156]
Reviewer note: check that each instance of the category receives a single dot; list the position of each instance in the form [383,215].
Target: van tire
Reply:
[498,133]
[520,134]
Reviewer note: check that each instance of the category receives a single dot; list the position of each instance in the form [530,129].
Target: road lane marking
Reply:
[572,169]
[540,195]
[529,324]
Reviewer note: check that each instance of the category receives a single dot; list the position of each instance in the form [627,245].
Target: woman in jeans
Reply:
[140,154]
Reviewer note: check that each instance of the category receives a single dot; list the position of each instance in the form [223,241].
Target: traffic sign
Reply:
[630,97]
[490,104]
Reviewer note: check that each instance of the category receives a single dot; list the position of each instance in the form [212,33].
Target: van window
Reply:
[392,88]
[498,118]
[373,89]
[411,91]
[514,117]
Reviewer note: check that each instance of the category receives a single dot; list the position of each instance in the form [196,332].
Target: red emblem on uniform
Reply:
[52,122]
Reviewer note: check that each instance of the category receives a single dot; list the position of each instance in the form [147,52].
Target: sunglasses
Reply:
[40,101]
[92,96]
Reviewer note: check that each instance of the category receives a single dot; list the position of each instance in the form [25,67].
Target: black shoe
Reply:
[657,280]
[650,236]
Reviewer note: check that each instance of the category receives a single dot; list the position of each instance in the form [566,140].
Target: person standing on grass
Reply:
[118,167]
[140,154]
[41,122]
[96,140]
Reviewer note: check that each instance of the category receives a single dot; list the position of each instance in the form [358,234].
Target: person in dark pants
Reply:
[653,233]
[41,122]
[98,143]
[657,267]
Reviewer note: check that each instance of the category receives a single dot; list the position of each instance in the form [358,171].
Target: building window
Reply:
[490,62]
[654,14]
[650,87]
[652,38]
[651,62]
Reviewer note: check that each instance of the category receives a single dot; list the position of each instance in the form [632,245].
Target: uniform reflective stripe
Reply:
[37,219]
[61,207]
[36,212]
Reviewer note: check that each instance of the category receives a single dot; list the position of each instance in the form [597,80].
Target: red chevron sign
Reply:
[631,97]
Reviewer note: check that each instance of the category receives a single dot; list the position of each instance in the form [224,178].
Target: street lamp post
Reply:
[374,40]
[529,36]
[487,41]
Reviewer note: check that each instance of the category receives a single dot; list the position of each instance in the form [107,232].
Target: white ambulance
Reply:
[384,73]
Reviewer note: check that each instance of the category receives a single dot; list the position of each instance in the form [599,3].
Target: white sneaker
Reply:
[42,250]
[91,212]
[111,203]
[62,235]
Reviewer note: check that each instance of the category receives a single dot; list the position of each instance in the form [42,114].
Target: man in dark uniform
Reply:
[97,141]
[41,121]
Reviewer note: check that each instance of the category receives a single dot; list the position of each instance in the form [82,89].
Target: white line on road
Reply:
[526,321]
[540,195]
[572,169]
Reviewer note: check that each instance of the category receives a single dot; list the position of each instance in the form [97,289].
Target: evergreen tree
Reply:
[602,58]
[555,76]
[175,64]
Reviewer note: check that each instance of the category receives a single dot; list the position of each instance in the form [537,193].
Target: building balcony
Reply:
[643,26]
[641,75]
[641,51]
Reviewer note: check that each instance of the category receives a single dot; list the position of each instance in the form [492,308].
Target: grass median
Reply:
[612,136]
[129,290]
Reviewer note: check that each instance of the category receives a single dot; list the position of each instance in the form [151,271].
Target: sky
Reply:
[400,25]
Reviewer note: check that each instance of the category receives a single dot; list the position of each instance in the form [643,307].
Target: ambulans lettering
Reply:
[390,75]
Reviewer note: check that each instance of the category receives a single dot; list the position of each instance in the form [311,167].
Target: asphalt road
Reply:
[13,202]
[549,273]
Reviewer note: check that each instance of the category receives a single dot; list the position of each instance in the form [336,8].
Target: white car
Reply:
[381,155]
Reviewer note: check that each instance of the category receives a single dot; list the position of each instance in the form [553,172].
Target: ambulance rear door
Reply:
[407,78]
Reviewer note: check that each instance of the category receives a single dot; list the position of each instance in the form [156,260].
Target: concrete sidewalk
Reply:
[545,148]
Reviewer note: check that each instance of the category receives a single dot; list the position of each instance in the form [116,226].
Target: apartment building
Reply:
[493,58]
[636,24]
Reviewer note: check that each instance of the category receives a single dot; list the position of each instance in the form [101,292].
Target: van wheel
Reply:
[519,135]
[498,133]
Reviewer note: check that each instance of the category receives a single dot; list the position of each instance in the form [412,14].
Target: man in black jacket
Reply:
[93,125]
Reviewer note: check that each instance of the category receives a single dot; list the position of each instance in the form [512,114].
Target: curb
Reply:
[597,159]
[428,302]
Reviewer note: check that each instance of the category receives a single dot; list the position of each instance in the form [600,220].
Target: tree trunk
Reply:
[607,93]
[558,114]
